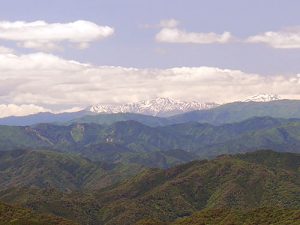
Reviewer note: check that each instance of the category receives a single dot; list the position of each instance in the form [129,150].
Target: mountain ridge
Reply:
[226,113]
[262,180]
[155,107]
[226,182]
[239,111]
[134,142]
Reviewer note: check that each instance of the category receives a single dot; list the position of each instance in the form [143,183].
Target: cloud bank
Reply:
[5,50]
[20,110]
[46,80]
[49,36]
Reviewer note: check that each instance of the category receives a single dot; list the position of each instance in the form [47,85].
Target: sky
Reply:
[64,55]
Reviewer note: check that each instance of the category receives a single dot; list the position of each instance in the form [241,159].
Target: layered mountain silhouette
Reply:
[227,113]
[259,187]
[201,167]
[133,142]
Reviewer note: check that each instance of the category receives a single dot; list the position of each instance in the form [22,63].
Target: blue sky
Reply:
[133,46]
[62,54]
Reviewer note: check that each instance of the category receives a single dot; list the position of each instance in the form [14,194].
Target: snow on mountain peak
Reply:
[155,107]
[263,98]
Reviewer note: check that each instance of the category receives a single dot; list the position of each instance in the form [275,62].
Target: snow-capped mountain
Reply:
[154,107]
[263,98]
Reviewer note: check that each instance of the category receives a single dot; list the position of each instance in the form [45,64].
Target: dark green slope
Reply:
[126,142]
[285,137]
[65,172]
[189,136]
[226,182]
[110,152]
[10,215]
[271,159]
[241,183]
[239,111]
[20,137]
[261,216]
[80,207]
[207,140]
[130,134]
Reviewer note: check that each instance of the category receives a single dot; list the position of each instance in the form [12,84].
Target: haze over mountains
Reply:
[200,167]
[162,146]
[227,113]
[161,106]
[161,111]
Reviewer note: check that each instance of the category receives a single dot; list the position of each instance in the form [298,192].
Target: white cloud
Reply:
[174,35]
[7,110]
[69,110]
[5,50]
[169,23]
[170,33]
[19,110]
[56,83]
[49,36]
[285,39]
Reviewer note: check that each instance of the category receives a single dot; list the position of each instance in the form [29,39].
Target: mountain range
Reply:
[227,113]
[134,142]
[61,171]
[160,111]
[239,111]
[161,107]
[254,188]
[238,182]
[199,167]
[223,114]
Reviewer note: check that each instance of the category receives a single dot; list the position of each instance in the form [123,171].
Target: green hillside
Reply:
[62,171]
[261,216]
[79,206]
[10,215]
[110,152]
[231,186]
[239,111]
[132,142]
[226,182]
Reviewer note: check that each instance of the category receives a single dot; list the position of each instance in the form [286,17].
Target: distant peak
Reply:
[160,106]
[263,98]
